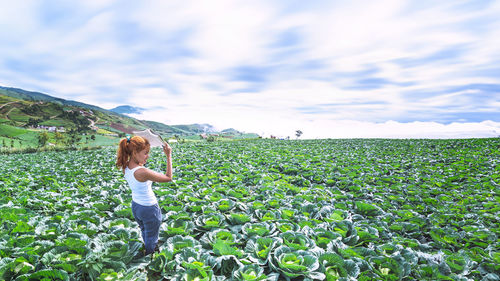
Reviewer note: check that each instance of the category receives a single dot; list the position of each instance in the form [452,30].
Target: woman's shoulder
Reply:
[141,173]
[134,168]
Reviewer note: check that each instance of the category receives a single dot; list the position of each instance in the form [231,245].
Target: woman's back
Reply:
[142,193]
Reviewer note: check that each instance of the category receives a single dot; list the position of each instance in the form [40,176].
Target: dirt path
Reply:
[8,112]
[7,104]
[92,123]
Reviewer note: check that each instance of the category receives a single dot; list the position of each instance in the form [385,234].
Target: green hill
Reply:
[37,96]
[24,115]
[127,109]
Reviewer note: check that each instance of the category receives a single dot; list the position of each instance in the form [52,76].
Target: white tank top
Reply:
[142,193]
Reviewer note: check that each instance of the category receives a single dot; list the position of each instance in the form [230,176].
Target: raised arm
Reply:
[168,153]
[147,174]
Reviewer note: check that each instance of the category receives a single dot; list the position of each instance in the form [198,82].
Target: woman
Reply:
[131,156]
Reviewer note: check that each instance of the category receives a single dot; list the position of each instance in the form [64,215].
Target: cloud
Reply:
[287,61]
[283,125]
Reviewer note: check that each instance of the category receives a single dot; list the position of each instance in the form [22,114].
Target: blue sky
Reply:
[330,68]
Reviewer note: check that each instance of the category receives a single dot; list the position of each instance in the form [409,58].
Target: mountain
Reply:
[198,128]
[36,96]
[127,109]
[174,129]
[230,131]
[20,108]
[191,129]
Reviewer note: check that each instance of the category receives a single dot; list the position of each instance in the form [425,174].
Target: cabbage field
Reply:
[260,210]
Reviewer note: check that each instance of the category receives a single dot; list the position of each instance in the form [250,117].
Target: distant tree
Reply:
[32,122]
[43,138]
[74,138]
[59,137]
[298,133]
[33,109]
[92,137]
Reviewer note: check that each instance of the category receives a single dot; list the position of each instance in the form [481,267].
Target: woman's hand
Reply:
[167,149]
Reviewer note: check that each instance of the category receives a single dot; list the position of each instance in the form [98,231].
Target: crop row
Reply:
[261,210]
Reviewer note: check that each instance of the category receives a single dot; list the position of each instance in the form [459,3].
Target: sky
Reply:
[332,69]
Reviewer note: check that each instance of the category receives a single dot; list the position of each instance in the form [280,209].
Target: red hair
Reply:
[126,147]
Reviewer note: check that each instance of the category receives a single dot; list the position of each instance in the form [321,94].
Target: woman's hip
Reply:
[146,213]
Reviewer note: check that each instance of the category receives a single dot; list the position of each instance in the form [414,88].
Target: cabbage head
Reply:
[260,248]
[292,263]
[253,272]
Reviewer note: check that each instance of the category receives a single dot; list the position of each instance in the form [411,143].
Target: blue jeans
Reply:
[149,220]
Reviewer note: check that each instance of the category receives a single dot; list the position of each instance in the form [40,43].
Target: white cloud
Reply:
[315,67]
[18,19]
[225,32]
[283,124]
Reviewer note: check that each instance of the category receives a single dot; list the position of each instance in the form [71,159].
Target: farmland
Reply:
[25,116]
[261,210]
